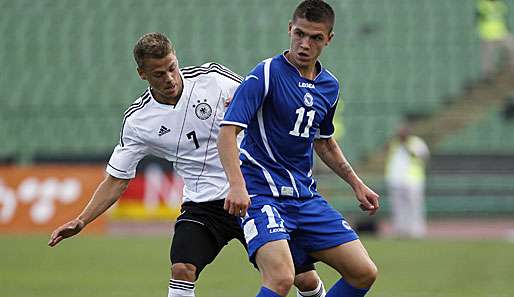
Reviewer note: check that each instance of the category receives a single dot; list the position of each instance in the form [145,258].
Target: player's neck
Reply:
[164,99]
[306,71]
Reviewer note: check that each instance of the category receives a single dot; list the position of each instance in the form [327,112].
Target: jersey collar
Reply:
[319,67]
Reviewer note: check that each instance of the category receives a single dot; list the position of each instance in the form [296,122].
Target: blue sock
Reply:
[344,289]
[265,292]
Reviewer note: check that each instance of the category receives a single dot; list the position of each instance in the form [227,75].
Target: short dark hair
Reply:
[315,11]
[152,45]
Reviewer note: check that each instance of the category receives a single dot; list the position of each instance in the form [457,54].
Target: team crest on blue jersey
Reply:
[308,99]
[202,109]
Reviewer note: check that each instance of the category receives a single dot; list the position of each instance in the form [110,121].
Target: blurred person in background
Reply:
[405,179]
[177,118]
[494,34]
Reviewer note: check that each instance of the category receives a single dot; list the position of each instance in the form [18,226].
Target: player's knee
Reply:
[306,281]
[281,283]
[183,271]
[366,276]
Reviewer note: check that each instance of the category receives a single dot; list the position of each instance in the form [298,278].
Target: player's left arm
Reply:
[331,154]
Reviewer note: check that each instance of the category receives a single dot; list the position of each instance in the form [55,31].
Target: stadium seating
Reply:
[492,135]
[68,75]
[68,70]
[458,195]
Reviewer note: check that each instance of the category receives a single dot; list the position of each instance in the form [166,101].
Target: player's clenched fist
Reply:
[67,230]
[237,201]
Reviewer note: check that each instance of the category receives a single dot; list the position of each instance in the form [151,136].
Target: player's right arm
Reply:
[246,101]
[120,170]
[237,200]
[107,193]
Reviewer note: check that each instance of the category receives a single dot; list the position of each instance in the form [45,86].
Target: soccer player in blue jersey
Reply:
[286,106]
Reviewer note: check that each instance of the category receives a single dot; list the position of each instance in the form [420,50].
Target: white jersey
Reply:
[185,133]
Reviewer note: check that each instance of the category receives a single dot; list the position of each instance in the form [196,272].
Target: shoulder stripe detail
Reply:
[139,103]
[144,102]
[237,80]
[188,70]
[128,114]
[214,67]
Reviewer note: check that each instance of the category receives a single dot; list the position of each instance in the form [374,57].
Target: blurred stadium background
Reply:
[68,75]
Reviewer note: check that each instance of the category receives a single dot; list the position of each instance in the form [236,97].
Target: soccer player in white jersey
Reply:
[286,106]
[177,118]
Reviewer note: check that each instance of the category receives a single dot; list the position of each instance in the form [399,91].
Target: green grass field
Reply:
[138,266]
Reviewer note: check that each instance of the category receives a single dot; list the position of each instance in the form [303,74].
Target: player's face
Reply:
[164,77]
[307,41]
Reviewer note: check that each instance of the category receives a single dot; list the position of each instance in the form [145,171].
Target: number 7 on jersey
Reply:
[192,134]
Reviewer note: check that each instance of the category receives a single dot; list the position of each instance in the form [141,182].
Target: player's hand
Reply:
[237,201]
[67,230]
[367,198]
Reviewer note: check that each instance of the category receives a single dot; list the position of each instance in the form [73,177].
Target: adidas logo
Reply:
[164,130]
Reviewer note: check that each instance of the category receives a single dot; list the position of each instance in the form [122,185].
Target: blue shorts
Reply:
[309,225]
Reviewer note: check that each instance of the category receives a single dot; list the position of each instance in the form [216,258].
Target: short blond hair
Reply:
[152,45]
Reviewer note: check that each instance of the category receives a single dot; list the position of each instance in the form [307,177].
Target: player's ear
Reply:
[141,73]
[330,36]
[290,26]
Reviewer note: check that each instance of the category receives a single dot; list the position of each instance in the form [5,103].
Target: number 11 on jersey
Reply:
[299,120]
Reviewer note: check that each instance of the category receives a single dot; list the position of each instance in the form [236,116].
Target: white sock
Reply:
[180,288]
[318,292]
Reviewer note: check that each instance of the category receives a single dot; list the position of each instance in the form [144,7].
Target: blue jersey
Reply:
[282,113]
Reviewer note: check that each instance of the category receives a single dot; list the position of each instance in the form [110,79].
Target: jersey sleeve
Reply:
[247,100]
[326,127]
[126,154]
[231,88]
[229,81]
